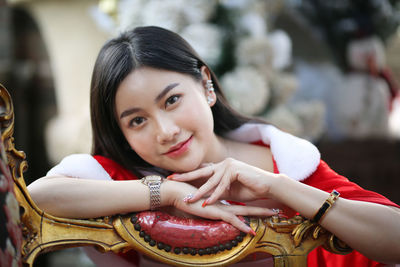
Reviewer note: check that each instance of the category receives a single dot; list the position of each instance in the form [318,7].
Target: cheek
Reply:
[141,144]
[199,116]
[204,121]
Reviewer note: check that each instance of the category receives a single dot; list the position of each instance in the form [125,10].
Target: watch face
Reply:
[153,178]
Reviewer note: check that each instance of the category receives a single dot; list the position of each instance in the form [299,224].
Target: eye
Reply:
[137,121]
[172,100]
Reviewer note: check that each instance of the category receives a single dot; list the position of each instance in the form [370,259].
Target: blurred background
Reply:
[327,71]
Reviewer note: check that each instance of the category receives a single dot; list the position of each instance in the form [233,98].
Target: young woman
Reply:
[157,108]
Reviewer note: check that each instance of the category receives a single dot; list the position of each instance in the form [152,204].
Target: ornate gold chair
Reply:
[287,240]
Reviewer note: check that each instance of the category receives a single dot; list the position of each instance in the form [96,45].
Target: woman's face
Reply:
[166,119]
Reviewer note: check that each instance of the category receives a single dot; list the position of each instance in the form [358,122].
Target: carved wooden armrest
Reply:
[287,240]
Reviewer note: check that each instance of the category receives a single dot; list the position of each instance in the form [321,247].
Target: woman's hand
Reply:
[178,192]
[229,179]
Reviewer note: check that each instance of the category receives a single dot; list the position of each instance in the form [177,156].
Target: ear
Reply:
[210,95]
[205,74]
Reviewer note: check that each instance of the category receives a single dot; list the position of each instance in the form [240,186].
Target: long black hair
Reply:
[151,47]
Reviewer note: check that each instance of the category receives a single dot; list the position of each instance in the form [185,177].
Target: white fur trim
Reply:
[80,166]
[295,157]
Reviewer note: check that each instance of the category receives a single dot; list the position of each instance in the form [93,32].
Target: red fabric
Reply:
[320,257]
[323,178]
[326,179]
[115,170]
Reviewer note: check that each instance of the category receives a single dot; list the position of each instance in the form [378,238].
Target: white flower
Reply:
[282,49]
[206,39]
[312,118]
[255,51]
[166,14]
[285,119]
[246,90]
[253,24]
[283,86]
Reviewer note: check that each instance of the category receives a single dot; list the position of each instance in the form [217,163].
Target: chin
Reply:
[183,169]
[188,166]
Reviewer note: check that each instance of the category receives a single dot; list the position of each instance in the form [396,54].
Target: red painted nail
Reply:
[169,177]
[204,203]
[253,232]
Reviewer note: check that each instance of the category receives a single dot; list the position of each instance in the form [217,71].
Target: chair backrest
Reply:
[287,240]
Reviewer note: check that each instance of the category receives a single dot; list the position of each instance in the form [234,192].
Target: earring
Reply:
[210,90]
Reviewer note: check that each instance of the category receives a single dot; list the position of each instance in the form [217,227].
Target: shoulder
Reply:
[256,154]
[87,166]
[114,169]
[80,166]
[294,156]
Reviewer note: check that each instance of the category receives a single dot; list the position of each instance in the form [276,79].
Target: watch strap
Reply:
[155,195]
[154,184]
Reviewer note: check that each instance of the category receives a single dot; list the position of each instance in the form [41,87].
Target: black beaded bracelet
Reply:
[326,206]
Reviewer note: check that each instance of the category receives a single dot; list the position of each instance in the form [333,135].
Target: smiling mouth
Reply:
[180,148]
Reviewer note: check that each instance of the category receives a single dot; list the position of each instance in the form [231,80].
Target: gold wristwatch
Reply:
[154,184]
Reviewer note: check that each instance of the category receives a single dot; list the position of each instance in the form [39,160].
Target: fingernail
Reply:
[252,232]
[169,177]
[204,203]
[187,198]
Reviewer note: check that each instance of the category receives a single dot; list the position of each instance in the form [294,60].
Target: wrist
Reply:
[168,192]
[278,184]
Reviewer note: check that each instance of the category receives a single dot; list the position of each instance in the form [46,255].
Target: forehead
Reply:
[146,79]
[143,84]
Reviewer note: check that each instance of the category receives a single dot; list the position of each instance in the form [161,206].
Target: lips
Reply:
[179,148]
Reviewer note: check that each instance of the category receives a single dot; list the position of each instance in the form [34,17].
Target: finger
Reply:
[208,186]
[250,210]
[223,185]
[236,222]
[193,175]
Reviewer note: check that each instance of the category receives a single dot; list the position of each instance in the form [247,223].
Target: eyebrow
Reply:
[129,112]
[165,91]
[158,98]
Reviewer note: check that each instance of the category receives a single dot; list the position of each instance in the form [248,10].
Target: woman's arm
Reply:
[83,198]
[372,229]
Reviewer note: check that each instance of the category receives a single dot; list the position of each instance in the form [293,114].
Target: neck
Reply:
[220,150]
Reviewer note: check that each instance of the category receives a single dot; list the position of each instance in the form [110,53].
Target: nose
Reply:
[167,130]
